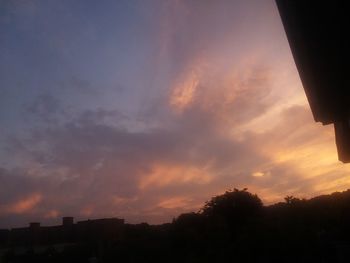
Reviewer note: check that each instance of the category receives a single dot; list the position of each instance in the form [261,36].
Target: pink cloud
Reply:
[24,205]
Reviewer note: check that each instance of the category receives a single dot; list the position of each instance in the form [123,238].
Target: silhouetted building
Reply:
[101,229]
[232,227]
[317,33]
[34,225]
[67,233]
[4,235]
[67,221]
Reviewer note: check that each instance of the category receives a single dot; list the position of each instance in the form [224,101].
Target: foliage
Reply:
[232,227]
[233,205]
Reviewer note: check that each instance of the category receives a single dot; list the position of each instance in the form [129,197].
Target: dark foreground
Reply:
[233,227]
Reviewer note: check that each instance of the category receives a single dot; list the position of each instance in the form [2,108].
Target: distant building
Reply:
[67,233]
[67,221]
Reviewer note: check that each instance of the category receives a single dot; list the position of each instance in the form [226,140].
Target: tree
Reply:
[235,206]
[292,200]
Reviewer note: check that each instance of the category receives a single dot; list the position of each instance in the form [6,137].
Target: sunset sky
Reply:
[146,109]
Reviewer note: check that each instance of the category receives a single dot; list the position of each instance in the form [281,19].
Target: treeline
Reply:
[236,227]
[232,227]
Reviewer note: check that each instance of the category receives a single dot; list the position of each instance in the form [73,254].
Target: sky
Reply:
[144,110]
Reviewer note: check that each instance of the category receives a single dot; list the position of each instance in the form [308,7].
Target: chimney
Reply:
[67,221]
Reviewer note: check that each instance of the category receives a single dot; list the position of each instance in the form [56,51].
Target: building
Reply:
[317,34]
[101,230]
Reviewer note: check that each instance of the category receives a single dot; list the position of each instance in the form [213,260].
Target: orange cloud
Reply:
[24,205]
[117,200]
[52,214]
[304,150]
[174,202]
[183,93]
[87,210]
[166,174]
[258,174]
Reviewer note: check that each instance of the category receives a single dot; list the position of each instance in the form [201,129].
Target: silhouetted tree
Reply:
[228,228]
[233,204]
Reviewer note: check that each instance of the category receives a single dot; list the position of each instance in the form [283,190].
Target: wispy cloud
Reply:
[22,206]
[211,100]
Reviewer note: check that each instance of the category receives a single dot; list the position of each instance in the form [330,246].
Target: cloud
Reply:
[24,205]
[184,91]
[85,164]
[45,107]
[176,202]
[89,167]
[79,85]
[162,175]
[217,108]
[52,214]
[94,164]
